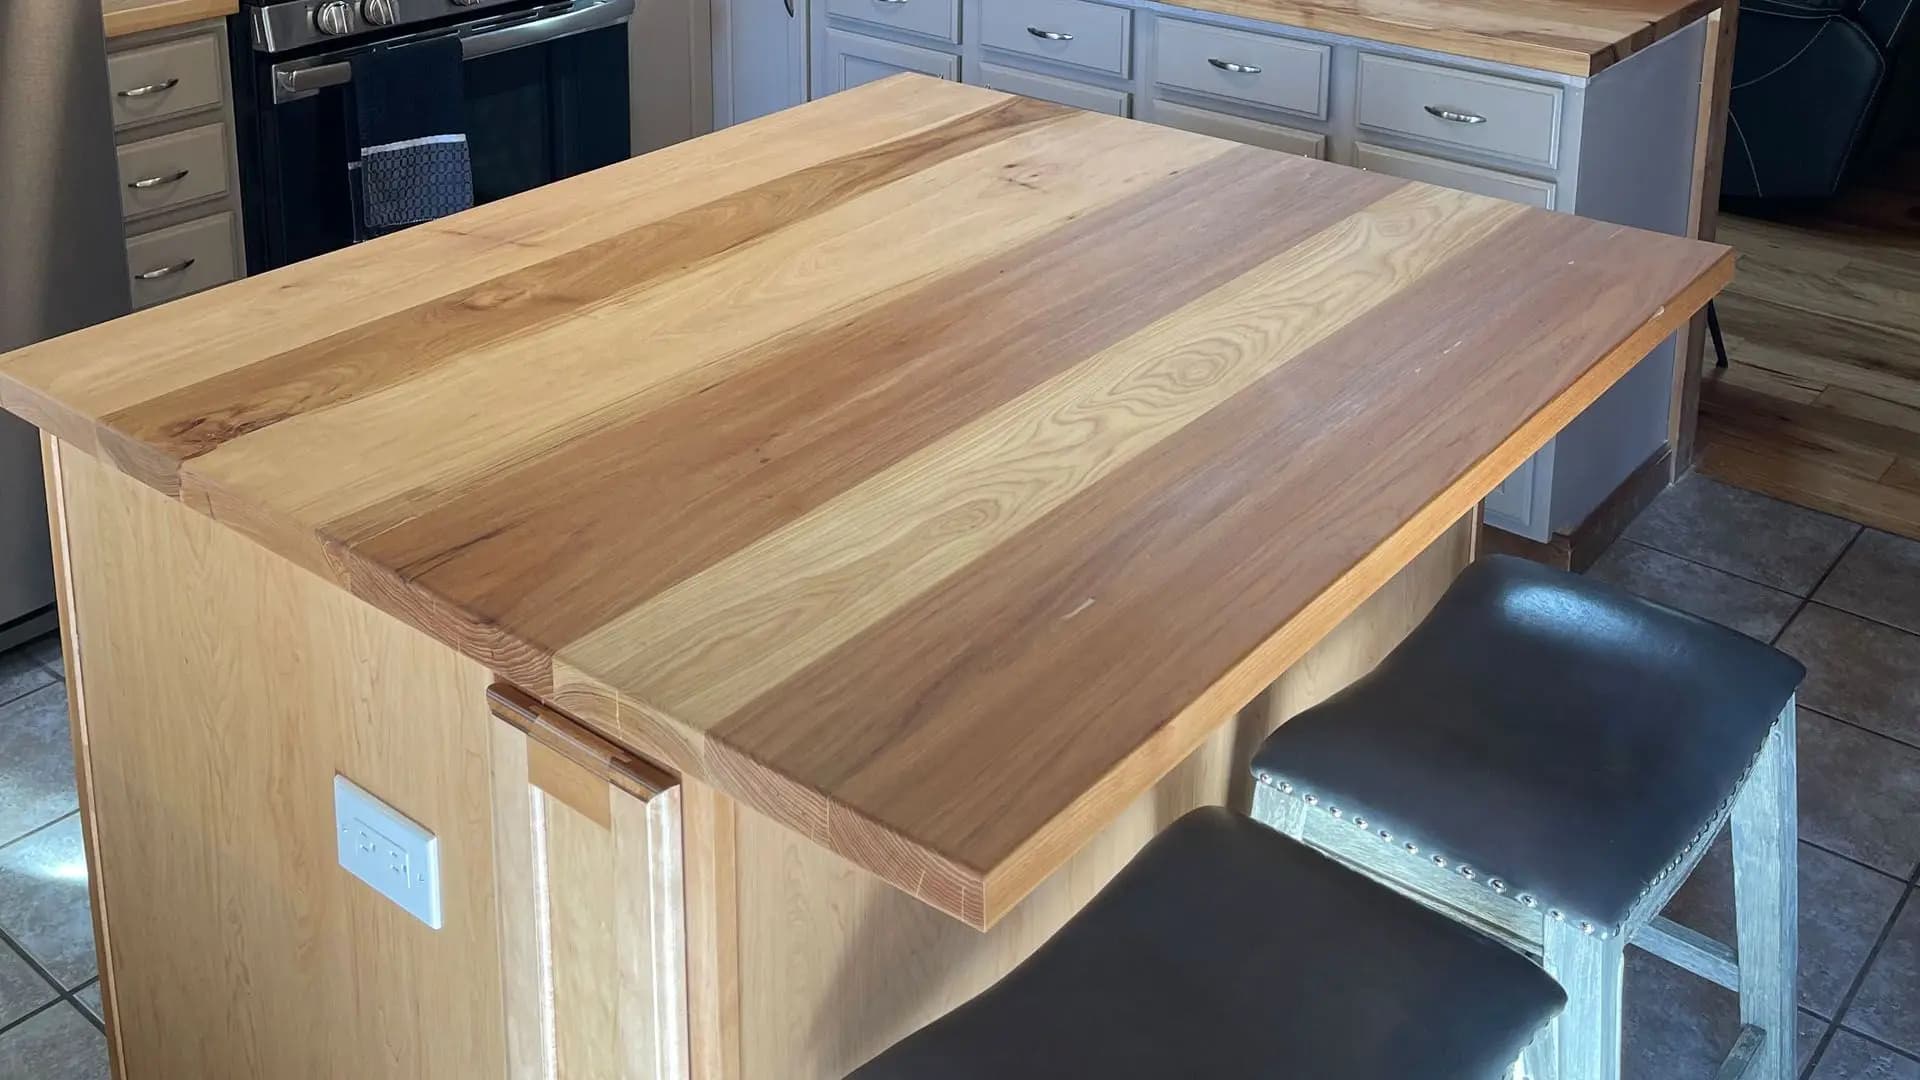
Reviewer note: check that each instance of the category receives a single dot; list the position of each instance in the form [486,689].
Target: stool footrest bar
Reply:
[1690,949]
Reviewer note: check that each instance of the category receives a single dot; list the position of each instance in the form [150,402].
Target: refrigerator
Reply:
[63,254]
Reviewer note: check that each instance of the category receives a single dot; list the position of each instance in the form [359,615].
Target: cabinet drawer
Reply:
[1060,91]
[932,18]
[1256,68]
[1238,129]
[164,80]
[1088,35]
[1451,174]
[856,59]
[172,262]
[1504,117]
[173,169]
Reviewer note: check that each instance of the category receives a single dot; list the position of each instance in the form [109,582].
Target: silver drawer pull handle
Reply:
[1455,117]
[1049,35]
[146,182]
[896,2]
[164,271]
[1237,69]
[150,89]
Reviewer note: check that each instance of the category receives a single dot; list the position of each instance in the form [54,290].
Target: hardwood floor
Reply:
[1821,402]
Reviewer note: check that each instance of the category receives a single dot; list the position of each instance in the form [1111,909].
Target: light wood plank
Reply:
[592,919]
[835,964]
[1566,36]
[867,408]
[135,16]
[221,690]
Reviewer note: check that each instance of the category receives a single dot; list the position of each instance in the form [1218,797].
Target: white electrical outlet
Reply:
[382,847]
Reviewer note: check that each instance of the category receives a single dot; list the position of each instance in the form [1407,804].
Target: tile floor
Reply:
[1845,600]
[49,999]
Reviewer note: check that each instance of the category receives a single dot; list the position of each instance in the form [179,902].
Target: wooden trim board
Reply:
[123,17]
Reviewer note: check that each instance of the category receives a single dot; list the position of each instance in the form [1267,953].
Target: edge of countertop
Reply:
[124,17]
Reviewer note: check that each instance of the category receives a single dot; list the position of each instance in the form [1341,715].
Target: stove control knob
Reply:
[378,12]
[334,18]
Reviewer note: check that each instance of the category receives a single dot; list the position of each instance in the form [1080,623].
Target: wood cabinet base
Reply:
[597,923]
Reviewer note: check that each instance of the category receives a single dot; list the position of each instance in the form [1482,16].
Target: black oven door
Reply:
[547,98]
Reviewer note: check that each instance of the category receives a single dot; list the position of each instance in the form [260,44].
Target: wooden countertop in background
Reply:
[1572,37]
[134,16]
[929,469]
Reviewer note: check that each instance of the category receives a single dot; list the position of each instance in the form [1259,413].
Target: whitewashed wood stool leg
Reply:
[1277,811]
[1583,1043]
[1767,900]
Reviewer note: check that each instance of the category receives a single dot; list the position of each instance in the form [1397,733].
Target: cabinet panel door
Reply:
[1239,129]
[759,58]
[1059,91]
[856,59]
[1432,170]
[590,897]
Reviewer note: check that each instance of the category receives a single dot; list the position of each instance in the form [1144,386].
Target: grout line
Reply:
[25,694]
[1808,599]
[1857,726]
[39,969]
[1877,1041]
[8,1027]
[1864,618]
[1860,977]
[86,1014]
[1721,569]
[42,827]
[1819,1047]
[1861,863]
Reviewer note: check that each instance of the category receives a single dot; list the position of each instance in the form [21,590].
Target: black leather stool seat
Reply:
[1225,950]
[1550,737]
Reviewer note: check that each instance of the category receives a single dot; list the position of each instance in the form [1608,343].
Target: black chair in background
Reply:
[1820,88]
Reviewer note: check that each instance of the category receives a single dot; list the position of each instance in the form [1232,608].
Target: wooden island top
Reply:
[1572,37]
[929,469]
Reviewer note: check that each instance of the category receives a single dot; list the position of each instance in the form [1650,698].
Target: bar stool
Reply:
[1224,950]
[1547,758]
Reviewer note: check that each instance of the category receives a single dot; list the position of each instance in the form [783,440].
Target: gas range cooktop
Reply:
[281,26]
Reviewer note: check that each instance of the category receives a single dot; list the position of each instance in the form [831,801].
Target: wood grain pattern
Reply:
[592,931]
[81,732]
[928,469]
[1821,403]
[1573,37]
[133,16]
[1703,221]
[221,689]
[835,964]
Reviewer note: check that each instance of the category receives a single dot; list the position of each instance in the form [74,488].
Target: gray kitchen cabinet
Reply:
[1220,125]
[851,60]
[171,95]
[1059,91]
[1618,145]
[670,72]
[760,58]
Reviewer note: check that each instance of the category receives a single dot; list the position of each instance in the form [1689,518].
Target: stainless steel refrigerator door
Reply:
[63,253]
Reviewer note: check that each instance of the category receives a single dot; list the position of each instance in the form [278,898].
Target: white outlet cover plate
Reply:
[387,850]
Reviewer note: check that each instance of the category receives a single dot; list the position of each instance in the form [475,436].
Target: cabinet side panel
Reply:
[835,965]
[222,689]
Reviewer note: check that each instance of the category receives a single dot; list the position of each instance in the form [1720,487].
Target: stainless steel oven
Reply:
[546,97]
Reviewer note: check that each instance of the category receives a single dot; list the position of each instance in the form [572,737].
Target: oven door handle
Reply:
[294,81]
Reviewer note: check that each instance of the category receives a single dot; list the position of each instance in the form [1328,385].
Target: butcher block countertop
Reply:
[133,16]
[1572,37]
[929,469]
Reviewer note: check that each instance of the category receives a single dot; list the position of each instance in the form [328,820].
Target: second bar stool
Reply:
[1547,758]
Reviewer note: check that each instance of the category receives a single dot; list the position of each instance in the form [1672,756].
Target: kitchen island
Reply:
[787,573]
